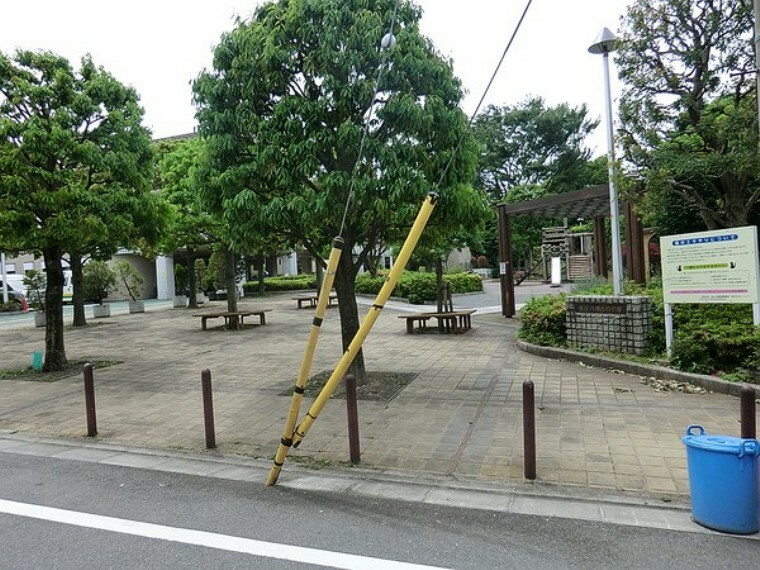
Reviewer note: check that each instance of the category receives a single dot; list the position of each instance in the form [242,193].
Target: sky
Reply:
[160,46]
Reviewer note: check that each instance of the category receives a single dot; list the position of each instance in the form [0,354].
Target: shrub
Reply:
[99,280]
[282,283]
[419,287]
[128,279]
[543,321]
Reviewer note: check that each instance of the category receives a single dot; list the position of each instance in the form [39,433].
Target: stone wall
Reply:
[614,324]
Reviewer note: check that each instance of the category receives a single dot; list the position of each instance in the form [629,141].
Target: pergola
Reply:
[590,203]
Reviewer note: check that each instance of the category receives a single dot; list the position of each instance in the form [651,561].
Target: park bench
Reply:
[311,300]
[228,315]
[453,321]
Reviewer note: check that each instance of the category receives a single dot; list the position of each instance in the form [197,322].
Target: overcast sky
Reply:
[159,46]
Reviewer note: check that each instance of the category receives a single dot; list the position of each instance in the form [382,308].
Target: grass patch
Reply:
[383,386]
[73,368]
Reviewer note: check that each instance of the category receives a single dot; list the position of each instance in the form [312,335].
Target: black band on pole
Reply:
[433,197]
[312,417]
[317,322]
[279,464]
[338,242]
[299,390]
[287,442]
[378,307]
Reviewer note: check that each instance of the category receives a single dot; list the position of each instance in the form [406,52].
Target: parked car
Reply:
[14,295]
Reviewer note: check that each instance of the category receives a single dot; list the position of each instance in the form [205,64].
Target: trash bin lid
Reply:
[723,444]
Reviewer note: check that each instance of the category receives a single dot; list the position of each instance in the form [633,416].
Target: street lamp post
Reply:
[604,44]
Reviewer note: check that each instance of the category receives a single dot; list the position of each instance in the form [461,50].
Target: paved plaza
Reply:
[460,417]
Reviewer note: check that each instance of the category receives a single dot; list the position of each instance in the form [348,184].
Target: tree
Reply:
[283,112]
[191,227]
[688,106]
[530,144]
[528,151]
[75,165]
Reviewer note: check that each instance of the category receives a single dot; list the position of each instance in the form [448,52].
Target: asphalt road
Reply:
[145,519]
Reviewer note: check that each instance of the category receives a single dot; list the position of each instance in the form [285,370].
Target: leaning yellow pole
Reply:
[303,374]
[348,357]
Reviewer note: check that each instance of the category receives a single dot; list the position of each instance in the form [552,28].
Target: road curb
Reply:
[710,383]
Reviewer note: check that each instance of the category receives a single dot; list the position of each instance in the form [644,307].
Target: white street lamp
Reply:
[604,44]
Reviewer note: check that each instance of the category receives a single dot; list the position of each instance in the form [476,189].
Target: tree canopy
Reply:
[75,164]
[531,144]
[689,125]
[283,111]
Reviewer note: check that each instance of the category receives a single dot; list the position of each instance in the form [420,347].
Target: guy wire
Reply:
[482,98]
[365,132]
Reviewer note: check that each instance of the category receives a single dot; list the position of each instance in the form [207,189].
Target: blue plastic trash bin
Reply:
[724,480]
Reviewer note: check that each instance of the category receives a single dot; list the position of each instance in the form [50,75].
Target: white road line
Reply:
[208,539]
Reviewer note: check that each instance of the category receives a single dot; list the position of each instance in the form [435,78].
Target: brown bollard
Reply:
[352,409]
[89,400]
[529,429]
[208,408]
[748,418]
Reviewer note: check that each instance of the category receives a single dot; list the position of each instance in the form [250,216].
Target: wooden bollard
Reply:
[208,408]
[89,400]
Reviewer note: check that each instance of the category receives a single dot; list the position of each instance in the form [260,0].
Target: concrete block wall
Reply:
[614,324]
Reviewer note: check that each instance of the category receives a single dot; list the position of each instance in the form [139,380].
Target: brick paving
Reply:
[460,417]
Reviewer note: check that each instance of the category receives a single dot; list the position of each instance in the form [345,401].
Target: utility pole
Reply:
[756,39]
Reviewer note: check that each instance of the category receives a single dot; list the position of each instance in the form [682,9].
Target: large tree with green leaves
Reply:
[533,145]
[283,111]
[191,228]
[75,165]
[689,124]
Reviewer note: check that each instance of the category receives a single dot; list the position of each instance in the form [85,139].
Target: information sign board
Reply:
[719,266]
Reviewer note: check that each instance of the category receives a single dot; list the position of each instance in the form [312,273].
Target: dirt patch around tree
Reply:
[382,386]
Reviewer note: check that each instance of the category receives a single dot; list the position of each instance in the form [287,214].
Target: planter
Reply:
[39,319]
[136,307]
[101,311]
[179,302]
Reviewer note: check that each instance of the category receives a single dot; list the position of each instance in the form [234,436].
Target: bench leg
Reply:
[409,326]
[262,319]
[203,323]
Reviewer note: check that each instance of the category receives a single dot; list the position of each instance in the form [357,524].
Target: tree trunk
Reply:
[77,282]
[192,279]
[440,301]
[55,352]
[320,273]
[230,285]
[349,312]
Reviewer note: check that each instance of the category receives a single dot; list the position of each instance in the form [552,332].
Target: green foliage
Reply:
[420,286]
[180,279]
[11,306]
[201,271]
[283,113]
[128,280]
[282,283]
[688,108]
[543,321]
[530,144]
[99,280]
[35,283]
[714,338]
[215,278]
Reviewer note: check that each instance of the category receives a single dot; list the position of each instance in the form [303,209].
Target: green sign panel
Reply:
[719,266]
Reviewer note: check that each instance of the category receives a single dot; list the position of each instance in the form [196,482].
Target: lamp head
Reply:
[604,43]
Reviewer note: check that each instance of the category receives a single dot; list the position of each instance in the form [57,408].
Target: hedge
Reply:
[419,287]
[282,283]
[707,338]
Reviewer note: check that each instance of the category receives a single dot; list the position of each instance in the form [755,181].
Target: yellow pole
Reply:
[348,357]
[303,374]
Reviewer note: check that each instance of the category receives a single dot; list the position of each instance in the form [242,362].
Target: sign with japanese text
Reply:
[719,266]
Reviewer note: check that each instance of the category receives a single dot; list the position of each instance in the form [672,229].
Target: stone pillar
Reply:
[165,277]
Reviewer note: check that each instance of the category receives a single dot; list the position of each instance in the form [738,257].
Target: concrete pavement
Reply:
[460,419]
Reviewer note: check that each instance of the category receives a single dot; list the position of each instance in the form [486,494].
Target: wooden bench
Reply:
[457,322]
[228,315]
[313,299]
